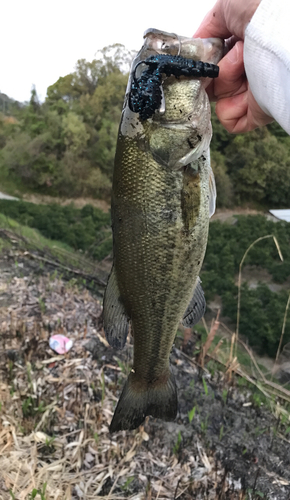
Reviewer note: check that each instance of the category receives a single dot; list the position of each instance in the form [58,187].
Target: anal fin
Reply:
[116,321]
[196,307]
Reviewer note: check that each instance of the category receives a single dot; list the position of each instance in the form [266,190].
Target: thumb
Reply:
[214,24]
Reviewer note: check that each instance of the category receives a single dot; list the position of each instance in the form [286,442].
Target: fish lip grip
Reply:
[145,94]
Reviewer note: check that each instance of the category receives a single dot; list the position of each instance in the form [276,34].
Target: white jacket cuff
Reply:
[267,59]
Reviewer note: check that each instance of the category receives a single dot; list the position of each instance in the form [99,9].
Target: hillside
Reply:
[226,443]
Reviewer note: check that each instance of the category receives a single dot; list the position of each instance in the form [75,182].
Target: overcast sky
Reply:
[42,40]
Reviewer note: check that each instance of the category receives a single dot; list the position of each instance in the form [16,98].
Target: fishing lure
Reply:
[145,94]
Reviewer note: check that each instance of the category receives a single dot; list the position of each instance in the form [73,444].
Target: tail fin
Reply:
[137,401]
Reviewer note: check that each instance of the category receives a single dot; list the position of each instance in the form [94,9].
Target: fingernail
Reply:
[233,54]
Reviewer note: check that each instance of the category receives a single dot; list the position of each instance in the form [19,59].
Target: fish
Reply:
[163,195]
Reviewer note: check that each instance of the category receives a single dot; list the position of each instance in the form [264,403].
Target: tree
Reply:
[255,162]
[74,133]
[224,186]
[62,89]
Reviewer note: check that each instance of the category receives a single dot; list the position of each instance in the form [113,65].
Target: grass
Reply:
[265,390]
[40,492]
[66,260]
[191,414]
[220,337]
[205,386]
[86,229]
[177,444]
[69,256]
[33,235]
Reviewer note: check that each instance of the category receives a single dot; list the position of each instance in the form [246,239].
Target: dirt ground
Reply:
[78,202]
[226,443]
[227,214]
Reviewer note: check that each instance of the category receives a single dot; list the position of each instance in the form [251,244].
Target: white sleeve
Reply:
[267,59]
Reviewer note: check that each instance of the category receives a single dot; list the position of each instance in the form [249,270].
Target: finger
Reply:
[232,79]
[213,25]
[209,87]
[232,112]
[241,113]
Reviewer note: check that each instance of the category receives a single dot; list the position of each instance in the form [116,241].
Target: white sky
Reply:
[42,40]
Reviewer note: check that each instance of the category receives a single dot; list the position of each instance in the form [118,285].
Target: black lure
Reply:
[145,94]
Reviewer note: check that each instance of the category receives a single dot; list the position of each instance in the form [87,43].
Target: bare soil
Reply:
[227,214]
[222,214]
[56,410]
[77,202]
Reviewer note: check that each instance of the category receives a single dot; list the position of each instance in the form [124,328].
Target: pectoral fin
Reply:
[116,321]
[196,307]
[212,193]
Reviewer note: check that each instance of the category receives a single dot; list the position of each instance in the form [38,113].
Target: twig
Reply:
[176,489]
[256,478]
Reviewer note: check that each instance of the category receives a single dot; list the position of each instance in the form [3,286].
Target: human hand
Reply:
[236,106]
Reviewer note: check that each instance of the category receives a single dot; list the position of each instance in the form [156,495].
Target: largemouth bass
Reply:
[162,197]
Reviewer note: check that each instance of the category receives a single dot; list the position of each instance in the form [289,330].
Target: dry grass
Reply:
[223,353]
[55,411]
[77,202]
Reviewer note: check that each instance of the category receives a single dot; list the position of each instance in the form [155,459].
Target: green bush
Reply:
[262,311]
[227,244]
[87,229]
[261,316]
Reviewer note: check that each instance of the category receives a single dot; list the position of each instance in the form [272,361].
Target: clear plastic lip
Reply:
[209,50]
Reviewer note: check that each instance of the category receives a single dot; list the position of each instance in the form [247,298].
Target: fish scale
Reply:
[160,215]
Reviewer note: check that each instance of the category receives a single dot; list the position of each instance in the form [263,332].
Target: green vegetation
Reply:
[40,492]
[66,145]
[249,167]
[34,237]
[227,244]
[191,414]
[87,229]
[205,386]
[262,311]
[177,444]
